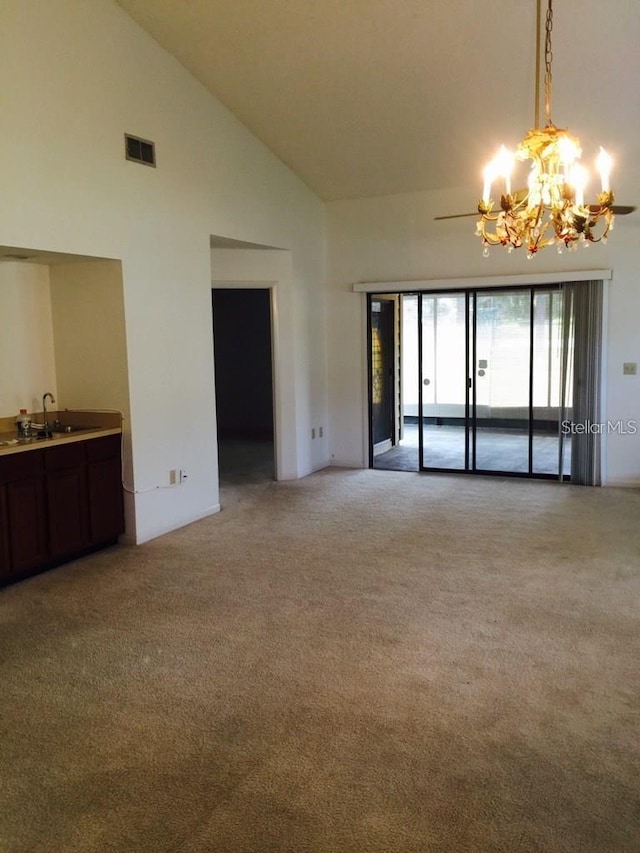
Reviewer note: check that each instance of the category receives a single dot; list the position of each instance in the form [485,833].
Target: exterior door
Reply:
[443,393]
[490,381]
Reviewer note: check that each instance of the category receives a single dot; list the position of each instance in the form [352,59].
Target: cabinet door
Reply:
[106,514]
[66,499]
[67,512]
[26,515]
[4,537]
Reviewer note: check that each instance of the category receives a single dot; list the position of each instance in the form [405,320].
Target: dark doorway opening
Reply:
[382,374]
[244,384]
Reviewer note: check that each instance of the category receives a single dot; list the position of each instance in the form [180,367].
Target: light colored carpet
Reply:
[358,662]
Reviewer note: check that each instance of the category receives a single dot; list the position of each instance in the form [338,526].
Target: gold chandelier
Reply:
[551,210]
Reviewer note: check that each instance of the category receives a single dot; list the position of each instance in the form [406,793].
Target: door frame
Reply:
[396,360]
[275,359]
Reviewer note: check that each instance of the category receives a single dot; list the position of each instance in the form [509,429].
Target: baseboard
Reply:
[341,463]
[382,447]
[160,531]
[313,469]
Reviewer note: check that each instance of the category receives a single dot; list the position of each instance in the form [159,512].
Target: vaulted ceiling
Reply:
[371,97]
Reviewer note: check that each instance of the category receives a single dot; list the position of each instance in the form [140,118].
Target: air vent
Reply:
[139,150]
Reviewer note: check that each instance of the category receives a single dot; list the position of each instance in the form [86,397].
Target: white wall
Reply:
[91,350]
[82,74]
[395,238]
[26,337]
[88,329]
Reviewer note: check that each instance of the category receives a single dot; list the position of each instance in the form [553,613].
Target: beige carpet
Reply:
[358,662]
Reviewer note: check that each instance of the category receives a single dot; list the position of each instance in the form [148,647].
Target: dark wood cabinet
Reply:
[104,482]
[28,540]
[66,490]
[57,503]
[4,535]
[21,482]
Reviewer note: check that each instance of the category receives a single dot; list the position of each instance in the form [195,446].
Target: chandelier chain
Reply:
[548,58]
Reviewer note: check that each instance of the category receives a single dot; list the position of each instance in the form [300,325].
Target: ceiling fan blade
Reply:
[618,209]
[457,215]
[623,209]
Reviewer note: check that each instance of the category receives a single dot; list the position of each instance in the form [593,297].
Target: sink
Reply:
[63,430]
[56,431]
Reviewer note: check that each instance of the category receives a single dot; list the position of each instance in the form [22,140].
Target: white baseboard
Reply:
[382,447]
[160,531]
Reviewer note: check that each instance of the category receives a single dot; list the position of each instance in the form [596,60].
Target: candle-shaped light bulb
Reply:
[603,164]
[504,167]
[569,153]
[489,173]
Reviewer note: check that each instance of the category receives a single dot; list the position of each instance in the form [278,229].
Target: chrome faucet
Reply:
[44,409]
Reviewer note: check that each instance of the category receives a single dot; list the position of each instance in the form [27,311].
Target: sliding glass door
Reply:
[501,381]
[517,380]
[492,389]
[487,381]
[443,390]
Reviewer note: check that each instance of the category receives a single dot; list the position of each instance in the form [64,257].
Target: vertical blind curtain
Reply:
[580,376]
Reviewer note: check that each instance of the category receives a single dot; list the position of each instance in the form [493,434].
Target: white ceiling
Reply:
[370,97]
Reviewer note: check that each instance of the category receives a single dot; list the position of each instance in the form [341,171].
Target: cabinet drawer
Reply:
[64,456]
[21,466]
[107,447]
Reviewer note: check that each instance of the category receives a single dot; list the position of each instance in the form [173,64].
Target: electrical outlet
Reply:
[313,432]
[183,475]
[320,432]
[173,477]
[630,368]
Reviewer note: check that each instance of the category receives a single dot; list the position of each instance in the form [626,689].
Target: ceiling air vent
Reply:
[139,150]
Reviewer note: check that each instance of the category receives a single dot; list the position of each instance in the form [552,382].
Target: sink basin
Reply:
[62,430]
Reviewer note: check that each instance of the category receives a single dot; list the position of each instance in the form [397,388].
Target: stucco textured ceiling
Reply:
[372,97]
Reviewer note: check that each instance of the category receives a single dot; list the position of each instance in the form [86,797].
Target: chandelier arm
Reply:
[534,228]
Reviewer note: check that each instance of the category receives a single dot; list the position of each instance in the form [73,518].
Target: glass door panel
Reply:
[444,381]
[502,363]
[547,386]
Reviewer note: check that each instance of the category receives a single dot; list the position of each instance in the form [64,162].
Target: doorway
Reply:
[488,380]
[383,378]
[244,384]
